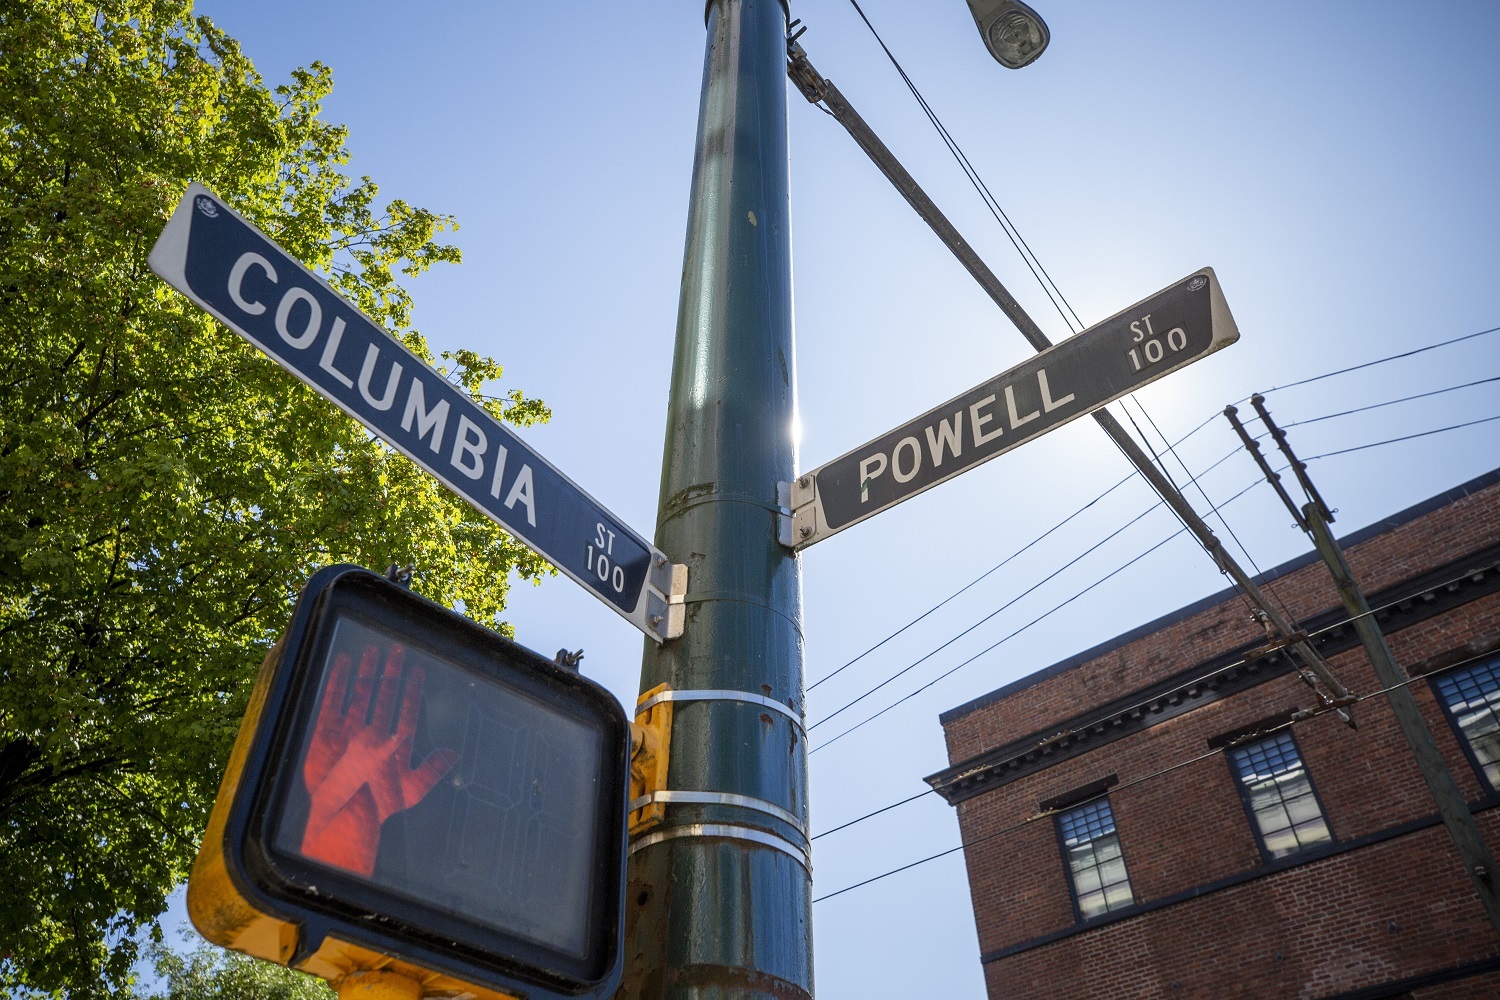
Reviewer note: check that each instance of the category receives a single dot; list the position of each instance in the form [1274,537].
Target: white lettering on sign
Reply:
[469,446]
[367,370]
[1016,420]
[427,422]
[331,350]
[523,490]
[309,333]
[1151,348]
[977,420]
[945,435]
[470,443]
[915,447]
[598,559]
[1048,404]
[869,468]
[237,280]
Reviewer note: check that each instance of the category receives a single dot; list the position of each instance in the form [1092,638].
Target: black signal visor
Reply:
[424,787]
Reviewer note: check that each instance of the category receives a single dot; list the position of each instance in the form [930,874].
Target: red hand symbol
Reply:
[359,773]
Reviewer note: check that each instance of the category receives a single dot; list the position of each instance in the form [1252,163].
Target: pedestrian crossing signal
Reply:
[411,792]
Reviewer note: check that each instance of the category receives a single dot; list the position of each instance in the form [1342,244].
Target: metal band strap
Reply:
[730,831]
[722,799]
[721,695]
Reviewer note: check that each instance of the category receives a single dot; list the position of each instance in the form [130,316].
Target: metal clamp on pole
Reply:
[728,831]
[661,693]
[698,798]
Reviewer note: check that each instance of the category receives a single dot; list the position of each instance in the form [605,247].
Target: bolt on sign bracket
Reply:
[650,752]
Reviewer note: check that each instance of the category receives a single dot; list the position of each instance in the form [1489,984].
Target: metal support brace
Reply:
[665,611]
[650,752]
[662,693]
[820,90]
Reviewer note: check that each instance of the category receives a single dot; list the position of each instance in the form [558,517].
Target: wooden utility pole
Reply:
[1314,518]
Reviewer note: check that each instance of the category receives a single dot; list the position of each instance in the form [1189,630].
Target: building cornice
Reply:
[1398,607]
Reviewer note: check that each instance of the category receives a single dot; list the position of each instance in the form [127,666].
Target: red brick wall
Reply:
[1329,920]
[1313,931]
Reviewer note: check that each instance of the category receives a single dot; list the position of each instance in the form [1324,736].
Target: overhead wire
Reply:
[1013,555]
[1215,509]
[1391,402]
[1236,496]
[1033,263]
[1380,361]
[1029,590]
[1211,468]
[972,582]
[1405,437]
[1023,628]
[995,645]
[1116,789]
[1055,573]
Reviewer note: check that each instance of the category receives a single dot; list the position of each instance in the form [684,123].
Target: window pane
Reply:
[1095,863]
[1473,695]
[1092,904]
[1285,811]
[1280,843]
[1086,880]
[1117,896]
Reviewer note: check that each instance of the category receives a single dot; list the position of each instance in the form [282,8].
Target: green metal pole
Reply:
[719,897]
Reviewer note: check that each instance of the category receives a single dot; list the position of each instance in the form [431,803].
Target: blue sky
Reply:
[1334,163]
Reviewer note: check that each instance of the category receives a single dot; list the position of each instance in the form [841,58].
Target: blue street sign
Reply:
[234,271]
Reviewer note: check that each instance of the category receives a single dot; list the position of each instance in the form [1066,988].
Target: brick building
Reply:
[1299,861]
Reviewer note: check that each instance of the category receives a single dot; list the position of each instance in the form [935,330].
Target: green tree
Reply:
[207,973]
[164,489]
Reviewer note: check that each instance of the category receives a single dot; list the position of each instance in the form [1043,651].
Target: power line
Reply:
[1019,551]
[1392,402]
[1383,692]
[974,581]
[1215,510]
[1381,361]
[1051,576]
[997,644]
[1028,257]
[1018,631]
[1408,437]
[877,812]
[1199,427]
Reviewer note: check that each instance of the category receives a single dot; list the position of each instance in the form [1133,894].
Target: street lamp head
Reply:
[1014,33]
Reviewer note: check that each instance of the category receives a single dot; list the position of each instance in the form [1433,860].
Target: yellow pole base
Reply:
[378,986]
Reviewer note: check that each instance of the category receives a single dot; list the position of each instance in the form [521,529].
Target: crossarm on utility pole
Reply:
[818,89]
[1459,821]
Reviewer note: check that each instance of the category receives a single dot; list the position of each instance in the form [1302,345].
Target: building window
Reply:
[1279,796]
[1472,697]
[1095,864]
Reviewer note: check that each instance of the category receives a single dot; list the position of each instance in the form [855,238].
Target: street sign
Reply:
[234,271]
[1158,335]
[413,792]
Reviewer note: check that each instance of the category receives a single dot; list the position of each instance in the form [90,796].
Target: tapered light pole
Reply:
[719,901]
